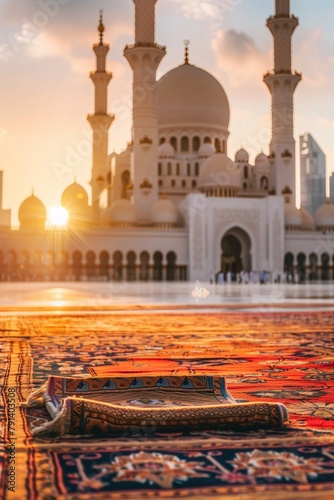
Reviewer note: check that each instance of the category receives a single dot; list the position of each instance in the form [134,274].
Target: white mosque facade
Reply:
[173,205]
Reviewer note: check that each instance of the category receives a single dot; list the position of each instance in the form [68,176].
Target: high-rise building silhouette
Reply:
[331,187]
[312,174]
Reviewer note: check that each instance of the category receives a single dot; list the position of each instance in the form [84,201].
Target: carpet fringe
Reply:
[59,422]
[36,398]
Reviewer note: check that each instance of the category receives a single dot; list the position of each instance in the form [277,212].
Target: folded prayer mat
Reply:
[148,404]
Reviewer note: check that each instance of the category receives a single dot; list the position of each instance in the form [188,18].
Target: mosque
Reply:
[174,205]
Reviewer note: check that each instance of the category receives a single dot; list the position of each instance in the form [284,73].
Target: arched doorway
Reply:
[301,267]
[157,266]
[171,266]
[118,266]
[313,267]
[131,266]
[144,266]
[289,266]
[235,253]
[104,264]
[90,265]
[325,259]
[77,265]
[63,265]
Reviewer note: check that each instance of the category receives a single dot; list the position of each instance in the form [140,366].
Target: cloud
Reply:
[236,45]
[315,56]
[4,52]
[239,57]
[60,28]
[207,9]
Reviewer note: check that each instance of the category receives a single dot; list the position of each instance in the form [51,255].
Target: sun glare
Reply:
[58,216]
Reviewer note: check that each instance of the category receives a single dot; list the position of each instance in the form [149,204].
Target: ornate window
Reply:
[196,144]
[173,142]
[184,144]
[196,169]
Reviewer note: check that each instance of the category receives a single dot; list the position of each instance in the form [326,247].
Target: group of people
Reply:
[243,277]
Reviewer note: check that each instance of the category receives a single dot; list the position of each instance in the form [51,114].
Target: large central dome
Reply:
[190,96]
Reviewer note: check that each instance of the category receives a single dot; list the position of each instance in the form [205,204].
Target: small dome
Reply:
[206,150]
[293,216]
[261,159]
[190,96]
[122,211]
[242,156]
[324,216]
[166,150]
[307,220]
[164,211]
[32,213]
[219,170]
[74,195]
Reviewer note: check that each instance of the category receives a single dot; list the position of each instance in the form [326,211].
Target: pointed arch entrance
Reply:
[235,252]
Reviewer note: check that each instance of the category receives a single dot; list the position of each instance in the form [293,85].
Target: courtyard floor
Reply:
[57,296]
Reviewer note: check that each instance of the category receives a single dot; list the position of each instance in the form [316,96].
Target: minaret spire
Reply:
[282,83]
[144,58]
[186,51]
[100,121]
[101,27]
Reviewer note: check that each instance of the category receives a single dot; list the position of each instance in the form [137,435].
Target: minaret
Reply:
[100,121]
[144,57]
[282,83]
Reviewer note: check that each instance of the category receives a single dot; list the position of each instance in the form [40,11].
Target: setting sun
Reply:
[58,216]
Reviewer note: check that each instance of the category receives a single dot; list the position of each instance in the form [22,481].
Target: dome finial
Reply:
[186,52]
[101,27]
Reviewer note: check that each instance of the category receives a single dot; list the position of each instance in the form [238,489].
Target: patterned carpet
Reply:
[277,357]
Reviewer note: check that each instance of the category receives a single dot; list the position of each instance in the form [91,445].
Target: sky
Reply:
[45,91]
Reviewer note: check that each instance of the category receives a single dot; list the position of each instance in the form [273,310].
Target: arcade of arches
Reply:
[90,266]
[235,256]
[312,267]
